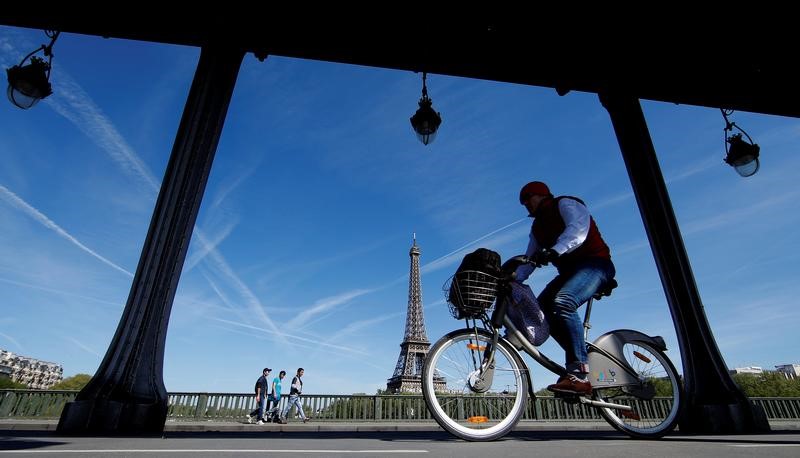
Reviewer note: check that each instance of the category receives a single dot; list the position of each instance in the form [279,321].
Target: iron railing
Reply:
[47,404]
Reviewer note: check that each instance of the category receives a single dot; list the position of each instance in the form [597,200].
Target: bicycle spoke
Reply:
[476,403]
[655,411]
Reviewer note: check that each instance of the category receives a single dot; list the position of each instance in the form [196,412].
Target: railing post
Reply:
[7,403]
[378,406]
[202,404]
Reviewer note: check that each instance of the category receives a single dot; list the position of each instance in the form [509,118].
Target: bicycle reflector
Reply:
[630,414]
[477,419]
[472,346]
[641,356]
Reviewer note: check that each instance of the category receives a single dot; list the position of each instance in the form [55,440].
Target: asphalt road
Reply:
[261,443]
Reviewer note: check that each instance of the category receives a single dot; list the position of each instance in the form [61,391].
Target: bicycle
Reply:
[475,382]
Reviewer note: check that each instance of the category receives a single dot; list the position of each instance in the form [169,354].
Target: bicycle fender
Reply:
[607,361]
[629,335]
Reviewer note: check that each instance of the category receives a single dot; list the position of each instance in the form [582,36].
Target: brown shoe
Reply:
[569,384]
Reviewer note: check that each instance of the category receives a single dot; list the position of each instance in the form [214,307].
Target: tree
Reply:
[544,392]
[663,386]
[76,382]
[767,384]
[8,384]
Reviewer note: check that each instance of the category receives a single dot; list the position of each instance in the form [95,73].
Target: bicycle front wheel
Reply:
[469,404]
[650,418]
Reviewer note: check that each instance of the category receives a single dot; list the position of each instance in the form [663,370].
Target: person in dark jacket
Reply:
[261,389]
[565,234]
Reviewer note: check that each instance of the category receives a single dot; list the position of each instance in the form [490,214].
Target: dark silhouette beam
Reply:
[127,393]
[697,66]
[714,403]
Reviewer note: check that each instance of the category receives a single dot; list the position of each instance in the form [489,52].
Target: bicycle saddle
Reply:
[606,289]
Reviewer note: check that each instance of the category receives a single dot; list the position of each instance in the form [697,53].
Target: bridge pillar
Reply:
[127,393]
[714,403]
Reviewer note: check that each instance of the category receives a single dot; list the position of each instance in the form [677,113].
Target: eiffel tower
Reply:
[408,371]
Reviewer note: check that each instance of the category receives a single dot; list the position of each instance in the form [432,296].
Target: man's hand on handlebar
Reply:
[543,257]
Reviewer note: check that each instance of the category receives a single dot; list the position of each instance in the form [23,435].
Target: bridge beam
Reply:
[714,403]
[127,393]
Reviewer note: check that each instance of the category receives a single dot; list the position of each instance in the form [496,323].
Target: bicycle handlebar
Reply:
[511,265]
[508,270]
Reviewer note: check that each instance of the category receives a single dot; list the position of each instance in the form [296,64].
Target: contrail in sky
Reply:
[16,201]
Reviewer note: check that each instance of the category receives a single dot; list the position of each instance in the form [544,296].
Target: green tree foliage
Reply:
[663,386]
[8,384]
[768,384]
[76,382]
[544,393]
[349,407]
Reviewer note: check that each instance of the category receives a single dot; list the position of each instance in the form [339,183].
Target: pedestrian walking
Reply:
[261,388]
[294,397]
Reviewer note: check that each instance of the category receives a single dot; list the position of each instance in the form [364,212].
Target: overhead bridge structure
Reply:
[622,62]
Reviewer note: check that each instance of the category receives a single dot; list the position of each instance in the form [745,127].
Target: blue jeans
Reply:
[294,400]
[261,405]
[560,300]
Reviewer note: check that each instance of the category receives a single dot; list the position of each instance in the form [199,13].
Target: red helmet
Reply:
[534,188]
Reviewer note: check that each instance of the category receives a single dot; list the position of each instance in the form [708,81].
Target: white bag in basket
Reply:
[527,316]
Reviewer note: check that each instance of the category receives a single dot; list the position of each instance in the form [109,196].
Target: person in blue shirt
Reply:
[275,397]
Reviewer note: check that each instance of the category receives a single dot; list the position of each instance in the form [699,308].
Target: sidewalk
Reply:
[329,426]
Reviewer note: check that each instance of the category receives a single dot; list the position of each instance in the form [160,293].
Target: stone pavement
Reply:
[329,426]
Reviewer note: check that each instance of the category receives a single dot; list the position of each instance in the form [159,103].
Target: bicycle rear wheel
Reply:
[651,418]
[465,404]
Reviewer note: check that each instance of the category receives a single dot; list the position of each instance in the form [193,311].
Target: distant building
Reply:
[791,371]
[747,370]
[36,374]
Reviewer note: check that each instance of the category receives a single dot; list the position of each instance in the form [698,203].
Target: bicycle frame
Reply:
[605,354]
[628,367]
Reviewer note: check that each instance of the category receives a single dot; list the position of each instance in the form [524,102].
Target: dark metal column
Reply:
[127,393]
[714,403]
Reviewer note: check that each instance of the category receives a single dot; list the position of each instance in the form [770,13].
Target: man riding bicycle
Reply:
[564,233]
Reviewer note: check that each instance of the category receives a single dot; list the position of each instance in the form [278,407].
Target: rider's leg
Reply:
[557,329]
[563,297]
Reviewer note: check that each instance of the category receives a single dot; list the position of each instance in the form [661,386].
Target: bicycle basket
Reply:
[470,293]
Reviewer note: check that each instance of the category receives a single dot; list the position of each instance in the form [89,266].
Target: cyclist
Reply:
[564,233]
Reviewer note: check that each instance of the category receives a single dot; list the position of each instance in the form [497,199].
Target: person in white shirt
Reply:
[564,233]
[294,397]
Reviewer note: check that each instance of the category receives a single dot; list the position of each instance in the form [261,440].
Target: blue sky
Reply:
[300,255]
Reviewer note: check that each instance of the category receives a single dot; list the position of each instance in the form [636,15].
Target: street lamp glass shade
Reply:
[747,169]
[426,121]
[743,156]
[28,84]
